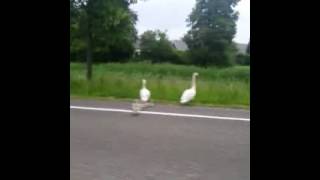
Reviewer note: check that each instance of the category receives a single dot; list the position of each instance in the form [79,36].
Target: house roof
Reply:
[242,48]
[180,45]
[137,44]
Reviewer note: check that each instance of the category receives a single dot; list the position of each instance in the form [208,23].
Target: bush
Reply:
[156,46]
[243,59]
[205,58]
[77,56]
[115,53]
[181,57]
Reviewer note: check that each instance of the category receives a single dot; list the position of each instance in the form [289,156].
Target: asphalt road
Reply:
[122,146]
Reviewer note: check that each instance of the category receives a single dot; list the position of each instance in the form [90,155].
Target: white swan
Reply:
[189,94]
[144,92]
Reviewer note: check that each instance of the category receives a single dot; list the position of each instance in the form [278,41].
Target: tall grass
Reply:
[226,87]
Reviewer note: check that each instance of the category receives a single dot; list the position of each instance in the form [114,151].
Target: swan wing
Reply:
[187,96]
[144,94]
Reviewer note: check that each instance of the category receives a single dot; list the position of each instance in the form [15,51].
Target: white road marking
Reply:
[159,113]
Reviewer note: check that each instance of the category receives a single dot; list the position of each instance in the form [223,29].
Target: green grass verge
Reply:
[227,87]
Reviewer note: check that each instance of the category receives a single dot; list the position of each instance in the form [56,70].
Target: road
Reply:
[108,145]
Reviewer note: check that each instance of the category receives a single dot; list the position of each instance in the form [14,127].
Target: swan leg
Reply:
[151,103]
[148,104]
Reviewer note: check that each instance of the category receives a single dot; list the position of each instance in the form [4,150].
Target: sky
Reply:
[171,15]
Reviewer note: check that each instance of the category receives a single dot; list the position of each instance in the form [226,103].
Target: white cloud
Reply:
[243,24]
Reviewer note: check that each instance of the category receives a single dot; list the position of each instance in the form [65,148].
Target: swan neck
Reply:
[193,84]
[143,84]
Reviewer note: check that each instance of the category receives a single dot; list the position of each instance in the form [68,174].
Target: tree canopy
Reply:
[102,29]
[213,27]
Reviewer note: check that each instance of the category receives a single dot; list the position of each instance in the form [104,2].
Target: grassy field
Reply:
[228,87]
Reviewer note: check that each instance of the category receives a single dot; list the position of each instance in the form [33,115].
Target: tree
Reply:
[100,25]
[213,26]
[156,46]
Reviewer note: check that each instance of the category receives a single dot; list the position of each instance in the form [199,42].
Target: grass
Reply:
[228,87]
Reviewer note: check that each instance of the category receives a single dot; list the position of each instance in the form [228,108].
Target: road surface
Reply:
[111,145]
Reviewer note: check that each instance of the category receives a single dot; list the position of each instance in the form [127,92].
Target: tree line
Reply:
[104,31]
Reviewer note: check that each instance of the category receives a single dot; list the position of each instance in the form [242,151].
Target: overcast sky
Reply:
[171,15]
